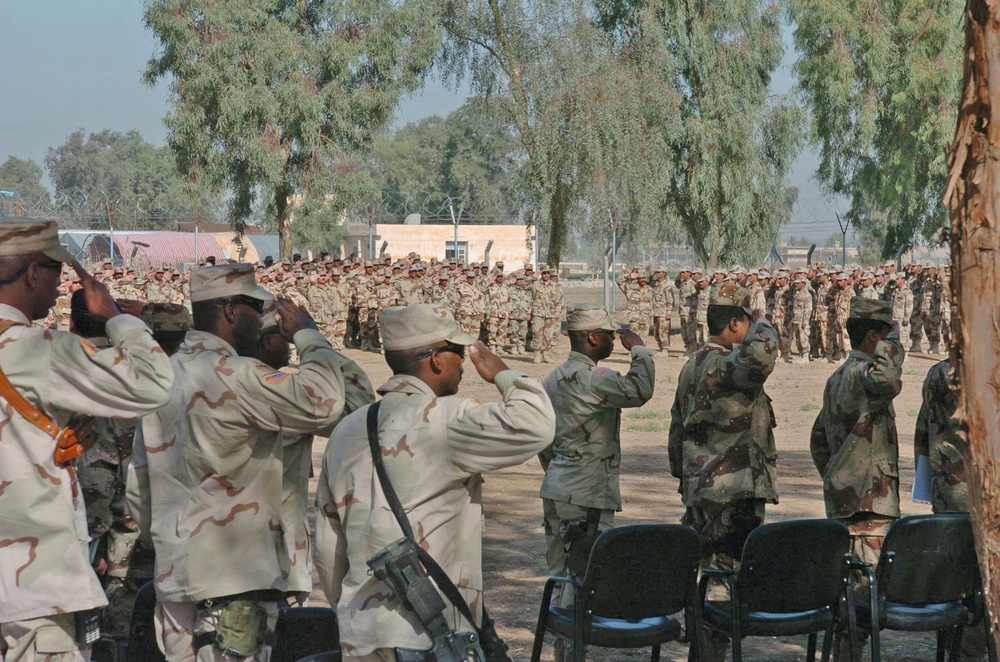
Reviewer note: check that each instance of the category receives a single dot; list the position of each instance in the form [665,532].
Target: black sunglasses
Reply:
[256,304]
[450,347]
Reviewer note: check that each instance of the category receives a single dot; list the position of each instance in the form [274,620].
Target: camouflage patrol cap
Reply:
[683,269]
[20,236]
[731,294]
[843,275]
[867,276]
[419,325]
[227,280]
[589,318]
[167,317]
[870,309]
[543,268]
[527,266]
[335,272]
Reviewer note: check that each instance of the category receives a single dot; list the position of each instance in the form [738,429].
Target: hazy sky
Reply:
[71,64]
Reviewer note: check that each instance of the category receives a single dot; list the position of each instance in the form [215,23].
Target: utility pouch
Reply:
[579,540]
[242,628]
[398,566]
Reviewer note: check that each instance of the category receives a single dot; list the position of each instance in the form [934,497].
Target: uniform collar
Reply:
[203,341]
[582,358]
[405,384]
[8,312]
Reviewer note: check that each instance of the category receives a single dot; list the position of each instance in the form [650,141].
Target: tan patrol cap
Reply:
[731,294]
[20,236]
[870,309]
[419,325]
[589,318]
[227,280]
[169,317]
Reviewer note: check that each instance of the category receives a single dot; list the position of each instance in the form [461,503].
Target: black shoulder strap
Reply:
[436,572]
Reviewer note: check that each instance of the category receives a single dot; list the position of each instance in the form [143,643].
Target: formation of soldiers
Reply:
[512,312]
[808,306]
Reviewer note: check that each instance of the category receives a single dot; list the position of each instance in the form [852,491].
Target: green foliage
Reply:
[274,98]
[578,110]
[123,179]
[882,79]
[24,179]
[810,406]
[730,142]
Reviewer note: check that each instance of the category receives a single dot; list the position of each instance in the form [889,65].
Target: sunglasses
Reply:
[450,347]
[256,304]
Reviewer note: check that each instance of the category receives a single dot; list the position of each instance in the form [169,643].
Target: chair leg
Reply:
[941,644]
[991,647]
[811,647]
[655,656]
[956,644]
[827,643]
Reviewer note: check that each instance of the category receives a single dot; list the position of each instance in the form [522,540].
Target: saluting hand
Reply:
[487,363]
[291,318]
[630,339]
[99,300]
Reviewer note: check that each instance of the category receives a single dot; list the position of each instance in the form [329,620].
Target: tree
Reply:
[125,181]
[975,230]
[274,97]
[730,142]
[577,110]
[24,179]
[881,78]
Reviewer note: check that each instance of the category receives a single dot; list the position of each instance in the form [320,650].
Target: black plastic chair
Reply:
[791,580]
[304,631]
[637,576]
[142,646]
[329,656]
[927,579]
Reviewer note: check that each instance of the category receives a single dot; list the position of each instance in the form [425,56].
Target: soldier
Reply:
[557,311]
[853,442]
[778,309]
[685,313]
[520,312]
[802,310]
[339,299]
[753,283]
[434,446]
[640,302]
[916,283]
[580,492]
[208,471]
[664,301]
[821,316]
[541,307]
[721,439]
[840,309]
[931,298]
[937,440]
[868,290]
[702,299]
[901,300]
[468,305]
[498,315]
[44,556]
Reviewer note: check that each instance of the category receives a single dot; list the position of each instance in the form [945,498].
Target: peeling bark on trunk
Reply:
[284,218]
[973,195]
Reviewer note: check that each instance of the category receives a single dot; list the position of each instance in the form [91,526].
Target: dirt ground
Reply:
[513,546]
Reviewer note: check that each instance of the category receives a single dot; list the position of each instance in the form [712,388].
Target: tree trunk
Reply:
[557,228]
[283,214]
[973,195]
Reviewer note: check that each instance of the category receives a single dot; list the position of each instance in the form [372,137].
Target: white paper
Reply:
[922,491]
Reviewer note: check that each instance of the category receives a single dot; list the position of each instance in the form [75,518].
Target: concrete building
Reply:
[511,244]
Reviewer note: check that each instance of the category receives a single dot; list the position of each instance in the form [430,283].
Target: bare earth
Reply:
[514,557]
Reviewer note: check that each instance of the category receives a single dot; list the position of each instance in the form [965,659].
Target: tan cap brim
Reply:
[58,253]
[262,294]
[459,337]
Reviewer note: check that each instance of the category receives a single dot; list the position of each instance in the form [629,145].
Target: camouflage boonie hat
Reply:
[731,294]
[589,318]
[870,309]
[419,325]
[228,280]
[20,236]
[167,317]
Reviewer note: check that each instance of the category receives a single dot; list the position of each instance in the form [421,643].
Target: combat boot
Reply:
[935,349]
[547,357]
[538,358]
[364,346]
[915,347]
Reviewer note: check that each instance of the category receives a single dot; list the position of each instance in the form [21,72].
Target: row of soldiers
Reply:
[808,306]
[512,312]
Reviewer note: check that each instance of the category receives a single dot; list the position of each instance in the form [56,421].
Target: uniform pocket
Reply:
[55,638]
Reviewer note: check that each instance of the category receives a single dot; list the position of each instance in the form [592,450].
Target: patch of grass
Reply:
[912,413]
[647,427]
[914,373]
[647,414]
[810,406]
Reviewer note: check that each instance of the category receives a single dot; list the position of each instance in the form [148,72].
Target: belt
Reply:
[410,655]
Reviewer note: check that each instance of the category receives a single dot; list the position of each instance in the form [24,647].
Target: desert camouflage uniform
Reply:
[936,438]
[557,311]
[582,471]
[840,310]
[44,553]
[901,300]
[821,321]
[380,296]
[640,306]
[701,315]
[542,295]
[869,293]
[664,295]
[207,476]
[686,304]
[855,448]
[779,312]
[498,315]
[520,310]
[469,306]
[435,449]
[802,310]
[721,446]
[340,302]
[319,306]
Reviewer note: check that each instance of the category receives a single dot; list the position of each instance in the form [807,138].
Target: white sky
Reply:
[69,65]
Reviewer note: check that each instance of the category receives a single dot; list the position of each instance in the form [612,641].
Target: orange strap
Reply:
[68,448]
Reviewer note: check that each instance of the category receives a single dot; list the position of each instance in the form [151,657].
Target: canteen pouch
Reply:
[579,540]
[241,629]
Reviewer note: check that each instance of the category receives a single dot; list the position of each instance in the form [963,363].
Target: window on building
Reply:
[457,251]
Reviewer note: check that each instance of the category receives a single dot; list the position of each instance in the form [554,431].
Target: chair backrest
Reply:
[928,559]
[642,571]
[142,646]
[793,566]
[329,656]
[303,631]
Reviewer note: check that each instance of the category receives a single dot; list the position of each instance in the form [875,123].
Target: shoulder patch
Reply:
[601,370]
[90,349]
[277,378]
